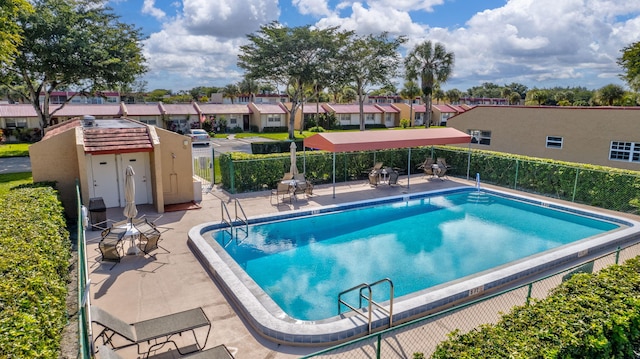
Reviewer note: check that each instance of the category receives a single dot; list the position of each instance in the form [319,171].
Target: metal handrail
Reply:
[242,219]
[227,219]
[354,309]
[390,311]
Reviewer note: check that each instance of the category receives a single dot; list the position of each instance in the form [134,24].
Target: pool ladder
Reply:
[226,218]
[369,298]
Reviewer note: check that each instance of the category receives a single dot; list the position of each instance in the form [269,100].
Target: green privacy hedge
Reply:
[599,186]
[34,261]
[589,316]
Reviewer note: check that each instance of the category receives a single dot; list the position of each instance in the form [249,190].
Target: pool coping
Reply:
[268,319]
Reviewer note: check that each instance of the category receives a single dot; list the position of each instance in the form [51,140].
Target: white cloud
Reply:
[149,8]
[227,18]
[312,7]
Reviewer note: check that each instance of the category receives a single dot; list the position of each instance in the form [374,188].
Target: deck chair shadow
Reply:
[218,352]
[154,332]
[303,186]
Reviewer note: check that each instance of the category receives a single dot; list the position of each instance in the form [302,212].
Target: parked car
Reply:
[199,136]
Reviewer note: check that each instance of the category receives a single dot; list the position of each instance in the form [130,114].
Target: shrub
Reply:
[34,260]
[588,316]
[405,123]
[316,129]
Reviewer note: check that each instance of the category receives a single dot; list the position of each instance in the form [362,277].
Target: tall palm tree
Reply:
[409,92]
[432,64]
[249,86]
[231,91]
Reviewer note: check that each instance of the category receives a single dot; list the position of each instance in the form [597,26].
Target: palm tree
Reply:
[611,93]
[432,65]
[409,92]
[249,86]
[230,91]
[453,96]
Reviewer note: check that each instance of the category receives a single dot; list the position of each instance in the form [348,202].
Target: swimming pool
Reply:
[437,257]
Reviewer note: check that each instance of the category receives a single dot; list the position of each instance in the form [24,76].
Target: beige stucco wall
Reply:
[56,160]
[171,167]
[587,132]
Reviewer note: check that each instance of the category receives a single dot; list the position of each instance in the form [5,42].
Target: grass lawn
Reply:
[14,150]
[10,180]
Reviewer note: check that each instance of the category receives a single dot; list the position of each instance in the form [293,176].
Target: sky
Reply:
[537,43]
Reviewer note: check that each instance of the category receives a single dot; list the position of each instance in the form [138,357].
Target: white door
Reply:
[103,179]
[140,162]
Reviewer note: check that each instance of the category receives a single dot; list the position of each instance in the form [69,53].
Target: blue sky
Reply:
[538,43]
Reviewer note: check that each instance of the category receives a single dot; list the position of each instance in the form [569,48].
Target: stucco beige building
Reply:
[96,154]
[606,136]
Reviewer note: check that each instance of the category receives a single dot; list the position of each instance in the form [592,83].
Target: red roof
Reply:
[223,108]
[270,108]
[18,110]
[179,109]
[379,140]
[139,109]
[72,110]
[388,108]
[351,108]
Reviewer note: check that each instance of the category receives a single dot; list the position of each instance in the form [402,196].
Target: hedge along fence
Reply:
[599,186]
[34,270]
[589,316]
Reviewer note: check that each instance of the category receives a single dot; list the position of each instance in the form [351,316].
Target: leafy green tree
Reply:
[538,96]
[410,91]
[368,61]
[610,94]
[10,30]
[77,45]
[158,95]
[514,98]
[630,62]
[292,57]
[519,88]
[487,89]
[438,94]
[432,64]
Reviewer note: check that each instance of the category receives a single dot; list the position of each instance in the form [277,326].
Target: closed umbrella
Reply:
[130,210]
[294,167]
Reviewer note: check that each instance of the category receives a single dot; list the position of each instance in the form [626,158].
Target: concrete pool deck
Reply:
[142,287]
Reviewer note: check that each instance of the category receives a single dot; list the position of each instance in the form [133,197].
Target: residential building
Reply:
[606,136]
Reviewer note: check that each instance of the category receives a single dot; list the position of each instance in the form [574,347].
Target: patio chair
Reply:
[287,176]
[374,178]
[155,332]
[302,185]
[441,172]
[393,176]
[427,166]
[149,235]
[282,189]
[111,246]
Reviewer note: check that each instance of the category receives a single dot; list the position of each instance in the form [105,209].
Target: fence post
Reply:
[515,181]
[232,176]
[575,185]
[617,255]
[529,292]
[378,350]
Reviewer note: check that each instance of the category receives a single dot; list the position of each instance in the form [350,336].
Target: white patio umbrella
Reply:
[130,210]
[294,167]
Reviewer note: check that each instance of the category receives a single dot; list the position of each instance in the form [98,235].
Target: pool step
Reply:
[479,198]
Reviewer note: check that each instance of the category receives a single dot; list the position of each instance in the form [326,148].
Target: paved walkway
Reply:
[172,280]
[15,164]
[142,287]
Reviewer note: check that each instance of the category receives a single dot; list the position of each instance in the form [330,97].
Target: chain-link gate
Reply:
[203,165]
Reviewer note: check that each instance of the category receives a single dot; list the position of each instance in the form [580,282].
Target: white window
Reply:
[554,142]
[233,121]
[369,117]
[480,137]
[16,122]
[273,120]
[625,151]
[149,121]
[344,118]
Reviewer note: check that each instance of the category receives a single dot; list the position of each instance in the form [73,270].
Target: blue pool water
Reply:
[304,263]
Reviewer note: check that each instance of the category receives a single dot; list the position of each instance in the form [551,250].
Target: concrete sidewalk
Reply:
[172,280]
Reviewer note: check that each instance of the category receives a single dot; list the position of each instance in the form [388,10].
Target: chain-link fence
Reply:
[604,187]
[424,334]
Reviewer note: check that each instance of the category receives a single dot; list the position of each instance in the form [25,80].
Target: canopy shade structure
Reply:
[380,140]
